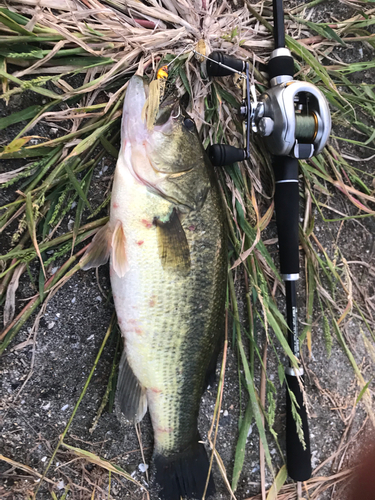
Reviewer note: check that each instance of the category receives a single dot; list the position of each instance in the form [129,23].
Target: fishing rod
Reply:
[294,121]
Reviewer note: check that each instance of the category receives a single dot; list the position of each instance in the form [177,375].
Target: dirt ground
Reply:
[33,415]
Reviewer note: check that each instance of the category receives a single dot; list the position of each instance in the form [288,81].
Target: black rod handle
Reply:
[287,217]
[298,458]
[223,154]
[219,60]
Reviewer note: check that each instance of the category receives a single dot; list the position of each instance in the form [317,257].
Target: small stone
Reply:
[143,467]
[51,325]
[73,300]
[46,407]
[225,414]
[43,459]
[65,407]
[90,338]
[98,298]
[60,485]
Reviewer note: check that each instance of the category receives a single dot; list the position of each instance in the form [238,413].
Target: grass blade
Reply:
[30,217]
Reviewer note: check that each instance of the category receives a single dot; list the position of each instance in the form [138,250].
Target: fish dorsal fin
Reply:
[173,246]
[130,395]
[99,249]
[119,260]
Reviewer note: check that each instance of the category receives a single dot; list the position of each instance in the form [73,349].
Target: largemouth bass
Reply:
[168,265]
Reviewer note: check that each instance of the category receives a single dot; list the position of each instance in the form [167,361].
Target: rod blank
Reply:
[278,24]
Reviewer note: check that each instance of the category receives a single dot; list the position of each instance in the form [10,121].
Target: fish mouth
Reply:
[136,94]
[133,126]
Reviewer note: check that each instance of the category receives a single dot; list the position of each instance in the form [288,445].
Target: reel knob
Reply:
[217,61]
[223,154]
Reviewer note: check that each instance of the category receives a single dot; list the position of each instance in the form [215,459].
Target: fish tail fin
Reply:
[184,474]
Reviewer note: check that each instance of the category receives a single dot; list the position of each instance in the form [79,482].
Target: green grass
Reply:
[59,172]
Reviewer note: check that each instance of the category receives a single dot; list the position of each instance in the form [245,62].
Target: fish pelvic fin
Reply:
[119,260]
[184,474]
[99,249]
[173,246]
[131,398]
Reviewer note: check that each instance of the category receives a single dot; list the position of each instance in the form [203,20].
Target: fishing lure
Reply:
[155,96]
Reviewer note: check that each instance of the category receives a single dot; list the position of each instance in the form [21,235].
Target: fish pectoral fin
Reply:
[99,249]
[119,260]
[130,395]
[173,246]
[105,241]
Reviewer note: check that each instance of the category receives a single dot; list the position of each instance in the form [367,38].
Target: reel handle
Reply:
[215,67]
[298,459]
[223,154]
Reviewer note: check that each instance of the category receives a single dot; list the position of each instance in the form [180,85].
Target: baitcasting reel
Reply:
[292,117]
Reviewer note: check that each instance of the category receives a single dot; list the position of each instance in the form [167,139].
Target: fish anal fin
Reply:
[119,260]
[130,395]
[99,249]
[173,246]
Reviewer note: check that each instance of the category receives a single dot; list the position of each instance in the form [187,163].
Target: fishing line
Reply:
[183,51]
[306,127]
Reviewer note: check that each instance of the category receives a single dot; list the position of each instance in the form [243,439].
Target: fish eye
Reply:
[189,124]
